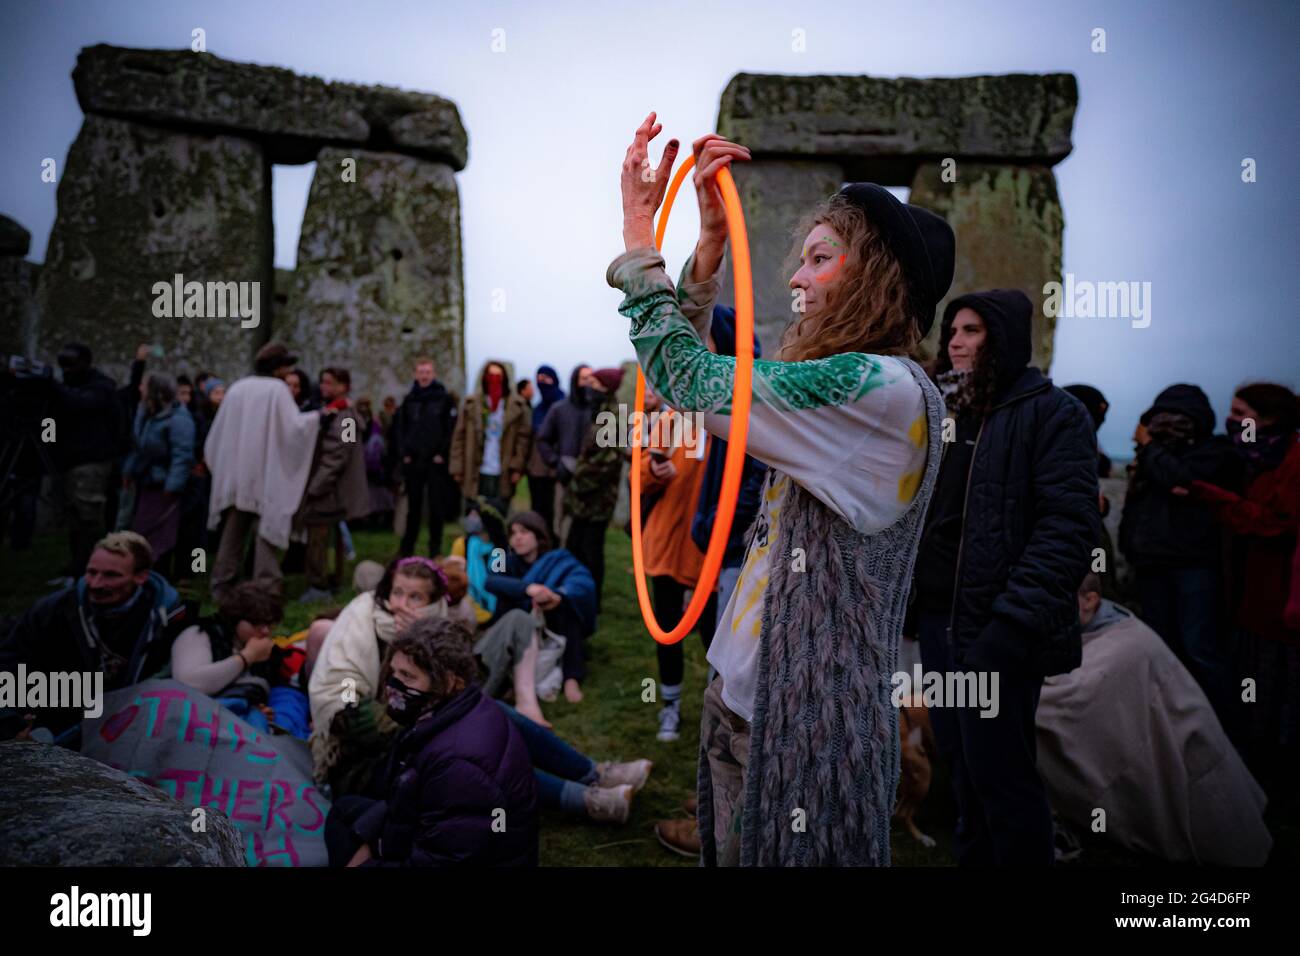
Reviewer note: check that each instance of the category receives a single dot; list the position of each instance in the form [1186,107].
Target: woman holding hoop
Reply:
[799,741]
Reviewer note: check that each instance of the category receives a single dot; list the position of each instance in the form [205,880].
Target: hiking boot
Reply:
[608,805]
[680,836]
[634,774]
[691,805]
[670,720]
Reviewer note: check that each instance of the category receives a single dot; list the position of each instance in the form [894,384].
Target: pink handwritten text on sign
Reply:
[268,810]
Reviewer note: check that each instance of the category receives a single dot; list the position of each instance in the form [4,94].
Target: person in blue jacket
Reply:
[535,580]
[158,466]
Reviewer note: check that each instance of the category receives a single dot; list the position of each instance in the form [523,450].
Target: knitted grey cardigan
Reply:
[824,735]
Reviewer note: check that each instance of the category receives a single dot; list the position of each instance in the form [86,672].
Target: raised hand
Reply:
[644,186]
[712,153]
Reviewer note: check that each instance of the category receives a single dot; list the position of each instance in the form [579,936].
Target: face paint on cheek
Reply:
[827,276]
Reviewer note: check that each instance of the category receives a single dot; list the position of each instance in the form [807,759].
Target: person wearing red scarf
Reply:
[1263,521]
[492,440]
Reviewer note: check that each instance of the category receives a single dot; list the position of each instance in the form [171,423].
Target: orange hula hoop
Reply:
[740,404]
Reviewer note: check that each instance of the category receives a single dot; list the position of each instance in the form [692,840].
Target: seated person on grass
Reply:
[118,619]
[457,770]
[538,583]
[232,657]
[352,733]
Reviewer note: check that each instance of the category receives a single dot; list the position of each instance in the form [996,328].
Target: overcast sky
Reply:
[1152,191]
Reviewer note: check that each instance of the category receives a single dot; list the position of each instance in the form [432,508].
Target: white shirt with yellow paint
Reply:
[867,475]
[849,428]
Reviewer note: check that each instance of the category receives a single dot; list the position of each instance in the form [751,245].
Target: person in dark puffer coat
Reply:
[1173,541]
[458,787]
[1008,537]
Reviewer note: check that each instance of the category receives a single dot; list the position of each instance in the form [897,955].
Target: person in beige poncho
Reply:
[1130,732]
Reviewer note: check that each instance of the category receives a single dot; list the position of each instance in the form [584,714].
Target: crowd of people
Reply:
[956,505]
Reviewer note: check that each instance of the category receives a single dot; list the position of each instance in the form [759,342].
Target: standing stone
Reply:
[1009,226]
[1014,117]
[18,315]
[776,195]
[14,239]
[136,206]
[290,114]
[1003,132]
[17,290]
[379,279]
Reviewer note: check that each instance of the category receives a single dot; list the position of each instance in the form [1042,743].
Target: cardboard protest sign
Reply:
[189,746]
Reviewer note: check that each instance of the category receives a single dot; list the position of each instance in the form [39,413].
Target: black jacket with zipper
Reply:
[422,427]
[1160,529]
[1029,511]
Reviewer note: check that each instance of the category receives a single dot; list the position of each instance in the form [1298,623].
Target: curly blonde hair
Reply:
[868,310]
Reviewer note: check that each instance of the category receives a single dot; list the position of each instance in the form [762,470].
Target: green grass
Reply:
[613,722]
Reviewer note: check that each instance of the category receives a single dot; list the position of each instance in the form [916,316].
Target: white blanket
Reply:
[259,452]
[349,659]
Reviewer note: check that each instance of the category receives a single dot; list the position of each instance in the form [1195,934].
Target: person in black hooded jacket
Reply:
[420,443]
[1173,541]
[1007,539]
[90,431]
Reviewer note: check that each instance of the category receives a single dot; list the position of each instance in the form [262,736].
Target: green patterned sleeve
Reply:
[698,298]
[691,378]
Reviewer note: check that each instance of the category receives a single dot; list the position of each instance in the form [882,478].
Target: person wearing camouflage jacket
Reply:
[593,492]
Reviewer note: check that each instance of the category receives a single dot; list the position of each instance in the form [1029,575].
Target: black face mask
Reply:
[406,704]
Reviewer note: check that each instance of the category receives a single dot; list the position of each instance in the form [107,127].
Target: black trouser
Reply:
[341,842]
[18,517]
[423,481]
[193,531]
[541,491]
[586,542]
[668,598]
[1003,814]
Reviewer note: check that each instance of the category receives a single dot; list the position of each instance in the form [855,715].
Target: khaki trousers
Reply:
[230,555]
[724,735]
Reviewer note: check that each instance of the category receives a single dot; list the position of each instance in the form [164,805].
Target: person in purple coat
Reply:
[458,786]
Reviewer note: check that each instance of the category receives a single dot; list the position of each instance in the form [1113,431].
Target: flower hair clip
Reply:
[431,565]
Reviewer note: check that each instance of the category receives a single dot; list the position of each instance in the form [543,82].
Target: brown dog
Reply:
[914,779]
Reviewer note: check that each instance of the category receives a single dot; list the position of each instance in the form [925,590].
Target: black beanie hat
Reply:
[921,241]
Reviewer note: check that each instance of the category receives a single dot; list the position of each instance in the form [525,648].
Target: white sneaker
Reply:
[608,805]
[670,719]
[634,773]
